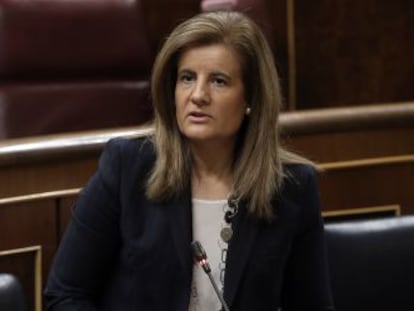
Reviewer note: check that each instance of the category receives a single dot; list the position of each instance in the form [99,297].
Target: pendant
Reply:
[226,233]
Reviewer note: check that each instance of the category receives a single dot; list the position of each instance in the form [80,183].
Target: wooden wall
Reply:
[366,155]
[329,53]
[353,52]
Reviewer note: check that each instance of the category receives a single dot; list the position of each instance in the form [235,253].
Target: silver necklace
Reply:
[230,210]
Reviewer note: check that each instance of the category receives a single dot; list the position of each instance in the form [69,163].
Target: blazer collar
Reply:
[181,230]
[245,231]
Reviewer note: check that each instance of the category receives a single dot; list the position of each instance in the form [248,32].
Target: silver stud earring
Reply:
[248,111]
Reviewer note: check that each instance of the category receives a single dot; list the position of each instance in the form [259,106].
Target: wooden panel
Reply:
[22,226]
[375,185]
[351,145]
[25,264]
[354,52]
[46,176]
[54,162]
[32,220]
[27,224]
[361,213]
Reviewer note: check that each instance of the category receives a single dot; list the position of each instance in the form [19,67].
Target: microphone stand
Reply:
[200,256]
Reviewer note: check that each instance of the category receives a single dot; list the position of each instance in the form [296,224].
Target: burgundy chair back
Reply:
[72,65]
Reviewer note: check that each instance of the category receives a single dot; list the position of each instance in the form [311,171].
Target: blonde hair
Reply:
[258,169]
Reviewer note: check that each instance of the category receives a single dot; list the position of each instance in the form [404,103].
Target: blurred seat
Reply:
[72,65]
[11,293]
[258,10]
[372,264]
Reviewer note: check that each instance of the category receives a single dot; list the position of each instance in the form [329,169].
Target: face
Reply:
[209,94]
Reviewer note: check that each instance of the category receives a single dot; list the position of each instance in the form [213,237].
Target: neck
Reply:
[212,176]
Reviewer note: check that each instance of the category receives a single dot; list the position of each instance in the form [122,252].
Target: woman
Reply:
[213,171]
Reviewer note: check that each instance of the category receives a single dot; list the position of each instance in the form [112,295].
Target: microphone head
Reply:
[198,251]
[200,256]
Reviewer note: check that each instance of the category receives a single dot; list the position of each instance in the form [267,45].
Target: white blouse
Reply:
[208,220]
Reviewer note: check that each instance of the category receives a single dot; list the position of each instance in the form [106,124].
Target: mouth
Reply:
[196,116]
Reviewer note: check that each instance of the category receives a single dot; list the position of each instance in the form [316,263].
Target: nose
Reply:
[200,95]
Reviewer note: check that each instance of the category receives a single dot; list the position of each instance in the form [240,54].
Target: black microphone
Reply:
[200,256]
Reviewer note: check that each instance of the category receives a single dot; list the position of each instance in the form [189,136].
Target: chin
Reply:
[203,135]
[198,137]
[225,140]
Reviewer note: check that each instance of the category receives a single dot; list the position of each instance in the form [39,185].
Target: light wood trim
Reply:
[45,147]
[333,120]
[346,119]
[363,210]
[370,162]
[290,20]
[37,265]
[40,196]
[38,279]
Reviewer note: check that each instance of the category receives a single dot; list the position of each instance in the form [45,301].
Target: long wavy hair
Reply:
[258,169]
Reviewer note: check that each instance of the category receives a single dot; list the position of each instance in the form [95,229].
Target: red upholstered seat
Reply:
[261,11]
[72,65]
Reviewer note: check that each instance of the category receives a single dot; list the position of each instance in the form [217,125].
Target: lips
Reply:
[197,116]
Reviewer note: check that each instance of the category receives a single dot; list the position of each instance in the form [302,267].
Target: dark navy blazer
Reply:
[123,252]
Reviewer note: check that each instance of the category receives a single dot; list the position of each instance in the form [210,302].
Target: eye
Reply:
[219,81]
[186,77]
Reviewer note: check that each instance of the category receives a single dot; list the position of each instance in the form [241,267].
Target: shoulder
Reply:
[300,192]
[130,149]
[299,175]
[142,145]
[126,156]
[300,187]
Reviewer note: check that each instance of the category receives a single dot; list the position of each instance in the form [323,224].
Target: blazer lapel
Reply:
[181,229]
[245,231]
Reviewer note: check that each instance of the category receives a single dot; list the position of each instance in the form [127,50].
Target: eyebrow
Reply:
[213,74]
[221,74]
